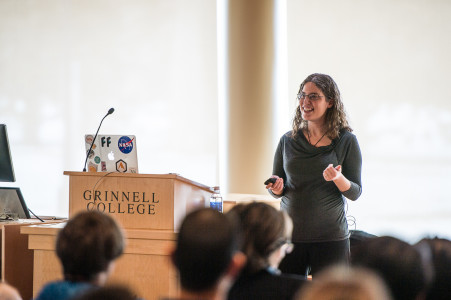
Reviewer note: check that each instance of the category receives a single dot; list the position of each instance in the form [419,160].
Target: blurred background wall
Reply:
[166,68]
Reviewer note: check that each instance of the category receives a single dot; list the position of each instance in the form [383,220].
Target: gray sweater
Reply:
[316,206]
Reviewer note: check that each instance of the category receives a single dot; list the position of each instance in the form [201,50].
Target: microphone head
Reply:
[110,111]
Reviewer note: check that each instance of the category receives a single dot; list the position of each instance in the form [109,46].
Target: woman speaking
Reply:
[317,164]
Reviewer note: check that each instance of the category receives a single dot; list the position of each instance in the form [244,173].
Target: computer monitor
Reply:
[12,204]
[6,163]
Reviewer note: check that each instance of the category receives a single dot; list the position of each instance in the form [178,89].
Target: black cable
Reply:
[350,218]
[35,215]
[95,185]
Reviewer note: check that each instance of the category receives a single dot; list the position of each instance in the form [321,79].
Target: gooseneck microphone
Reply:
[110,111]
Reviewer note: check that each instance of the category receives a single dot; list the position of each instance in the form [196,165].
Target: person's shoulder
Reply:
[62,290]
[287,134]
[292,278]
[347,136]
[344,132]
[52,286]
[268,276]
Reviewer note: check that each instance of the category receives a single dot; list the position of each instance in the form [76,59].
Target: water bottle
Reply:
[216,199]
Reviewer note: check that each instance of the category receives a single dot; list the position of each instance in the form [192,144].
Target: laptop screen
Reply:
[12,204]
[112,153]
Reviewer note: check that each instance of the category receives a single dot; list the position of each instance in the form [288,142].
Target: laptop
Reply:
[112,153]
[12,204]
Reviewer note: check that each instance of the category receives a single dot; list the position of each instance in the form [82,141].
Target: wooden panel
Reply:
[150,276]
[135,200]
[44,236]
[150,234]
[42,242]
[134,203]
[46,268]
[141,246]
[17,260]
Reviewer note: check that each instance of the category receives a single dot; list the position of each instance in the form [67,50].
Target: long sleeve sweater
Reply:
[317,206]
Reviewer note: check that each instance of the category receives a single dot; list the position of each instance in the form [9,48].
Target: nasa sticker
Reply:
[125,144]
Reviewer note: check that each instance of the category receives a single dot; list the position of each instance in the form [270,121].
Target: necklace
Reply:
[308,135]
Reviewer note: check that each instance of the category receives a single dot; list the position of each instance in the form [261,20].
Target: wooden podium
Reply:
[148,207]
[137,201]
[16,257]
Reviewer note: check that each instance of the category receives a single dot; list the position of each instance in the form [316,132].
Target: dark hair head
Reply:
[439,259]
[87,244]
[336,119]
[396,261]
[207,241]
[263,229]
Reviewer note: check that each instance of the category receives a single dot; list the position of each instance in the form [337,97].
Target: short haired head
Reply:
[437,255]
[335,116]
[87,245]
[207,241]
[341,282]
[396,261]
[265,229]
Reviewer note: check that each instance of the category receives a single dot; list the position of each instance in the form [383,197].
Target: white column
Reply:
[250,92]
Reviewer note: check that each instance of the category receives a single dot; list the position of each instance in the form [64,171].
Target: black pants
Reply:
[310,258]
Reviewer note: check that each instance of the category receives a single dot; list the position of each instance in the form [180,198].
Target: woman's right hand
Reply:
[276,187]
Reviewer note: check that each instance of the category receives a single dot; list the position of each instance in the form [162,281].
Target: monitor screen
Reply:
[6,163]
[12,204]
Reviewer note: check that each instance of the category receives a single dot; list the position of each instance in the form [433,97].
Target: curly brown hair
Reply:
[336,119]
[263,227]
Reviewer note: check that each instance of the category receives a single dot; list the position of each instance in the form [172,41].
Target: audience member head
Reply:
[345,283]
[8,292]
[207,250]
[112,292]
[437,253]
[266,235]
[88,245]
[398,263]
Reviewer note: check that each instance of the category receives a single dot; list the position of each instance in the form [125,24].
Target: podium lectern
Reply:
[137,201]
[148,207]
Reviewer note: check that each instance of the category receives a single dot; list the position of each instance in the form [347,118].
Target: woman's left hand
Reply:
[331,173]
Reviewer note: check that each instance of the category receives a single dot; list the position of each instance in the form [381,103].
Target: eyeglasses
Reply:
[311,97]
[287,244]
